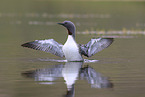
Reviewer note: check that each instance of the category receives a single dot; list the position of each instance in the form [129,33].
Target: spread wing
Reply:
[48,45]
[95,45]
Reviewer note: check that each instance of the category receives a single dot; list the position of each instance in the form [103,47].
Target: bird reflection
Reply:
[70,72]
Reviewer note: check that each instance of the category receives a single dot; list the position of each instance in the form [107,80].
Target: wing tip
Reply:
[23,45]
[111,40]
[29,45]
[26,45]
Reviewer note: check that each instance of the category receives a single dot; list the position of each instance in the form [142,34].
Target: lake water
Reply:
[119,71]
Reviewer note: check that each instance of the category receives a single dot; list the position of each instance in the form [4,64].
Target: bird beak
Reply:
[60,23]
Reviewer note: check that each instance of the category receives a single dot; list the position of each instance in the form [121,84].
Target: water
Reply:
[119,71]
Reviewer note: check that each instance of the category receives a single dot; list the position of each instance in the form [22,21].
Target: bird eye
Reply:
[65,22]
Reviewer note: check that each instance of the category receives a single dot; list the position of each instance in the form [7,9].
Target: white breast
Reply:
[71,50]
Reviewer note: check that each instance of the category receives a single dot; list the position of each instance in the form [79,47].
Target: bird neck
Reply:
[71,31]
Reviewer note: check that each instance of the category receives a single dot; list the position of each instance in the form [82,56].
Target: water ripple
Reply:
[55,60]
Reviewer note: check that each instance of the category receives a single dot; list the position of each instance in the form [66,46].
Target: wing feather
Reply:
[48,45]
[95,45]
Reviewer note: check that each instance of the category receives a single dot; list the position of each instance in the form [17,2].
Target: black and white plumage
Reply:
[95,45]
[48,45]
[70,50]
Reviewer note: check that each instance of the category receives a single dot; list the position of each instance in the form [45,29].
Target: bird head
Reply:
[69,26]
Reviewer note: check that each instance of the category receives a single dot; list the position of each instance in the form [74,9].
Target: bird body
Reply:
[70,50]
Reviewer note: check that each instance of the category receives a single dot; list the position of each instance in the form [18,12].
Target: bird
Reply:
[70,50]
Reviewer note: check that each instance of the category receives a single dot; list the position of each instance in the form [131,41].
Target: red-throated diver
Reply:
[70,50]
